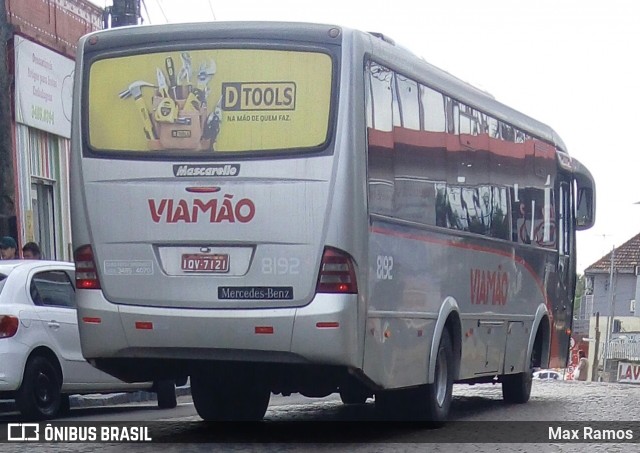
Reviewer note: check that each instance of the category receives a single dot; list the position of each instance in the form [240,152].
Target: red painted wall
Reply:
[57,24]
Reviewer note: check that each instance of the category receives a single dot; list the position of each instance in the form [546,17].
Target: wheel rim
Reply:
[441,379]
[44,389]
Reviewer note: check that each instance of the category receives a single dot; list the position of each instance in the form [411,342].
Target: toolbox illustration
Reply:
[179,117]
[178,122]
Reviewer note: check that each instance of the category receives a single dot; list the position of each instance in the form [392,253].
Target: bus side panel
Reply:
[413,270]
[397,350]
[516,348]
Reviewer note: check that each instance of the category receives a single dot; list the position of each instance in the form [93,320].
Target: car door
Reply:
[53,295]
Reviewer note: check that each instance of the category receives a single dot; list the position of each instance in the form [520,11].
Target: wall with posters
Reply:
[43,95]
[42,42]
[43,88]
[629,372]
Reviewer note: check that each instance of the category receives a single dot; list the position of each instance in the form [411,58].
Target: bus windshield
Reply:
[219,100]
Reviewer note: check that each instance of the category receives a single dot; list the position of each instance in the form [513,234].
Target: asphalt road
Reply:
[481,421]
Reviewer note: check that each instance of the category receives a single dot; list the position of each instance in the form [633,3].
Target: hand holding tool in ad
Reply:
[213,123]
[167,110]
[171,73]
[192,103]
[184,76]
[205,74]
[135,90]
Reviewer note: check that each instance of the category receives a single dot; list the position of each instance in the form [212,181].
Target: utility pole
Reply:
[612,307]
[123,12]
[595,362]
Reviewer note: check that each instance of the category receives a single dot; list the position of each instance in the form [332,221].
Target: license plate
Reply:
[205,263]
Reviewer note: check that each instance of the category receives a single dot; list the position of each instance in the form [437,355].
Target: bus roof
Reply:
[460,90]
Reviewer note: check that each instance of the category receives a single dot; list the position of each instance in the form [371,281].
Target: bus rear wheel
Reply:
[229,398]
[428,403]
[351,393]
[516,388]
[438,395]
[166,393]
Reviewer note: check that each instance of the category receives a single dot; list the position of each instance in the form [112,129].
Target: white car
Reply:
[41,360]
[547,375]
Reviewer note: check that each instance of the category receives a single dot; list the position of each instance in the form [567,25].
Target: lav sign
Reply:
[629,372]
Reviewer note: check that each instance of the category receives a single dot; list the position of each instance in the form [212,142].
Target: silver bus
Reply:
[303,208]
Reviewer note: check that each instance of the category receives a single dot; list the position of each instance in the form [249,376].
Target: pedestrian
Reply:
[583,366]
[8,248]
[31,251]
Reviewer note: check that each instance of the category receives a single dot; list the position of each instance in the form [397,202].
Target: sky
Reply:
[572,64]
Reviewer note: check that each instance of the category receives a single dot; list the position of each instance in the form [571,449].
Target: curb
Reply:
[109,399]
[104,399]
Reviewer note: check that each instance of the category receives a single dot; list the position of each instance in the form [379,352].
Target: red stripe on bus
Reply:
[477,248]
[553,354]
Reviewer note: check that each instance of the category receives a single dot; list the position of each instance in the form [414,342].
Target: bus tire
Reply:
[351,393]
[166,393]
[427,403]
[516,388]
[436,403]
[65,404]
[228,398]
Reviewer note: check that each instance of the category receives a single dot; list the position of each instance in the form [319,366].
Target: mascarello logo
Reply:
[186,170]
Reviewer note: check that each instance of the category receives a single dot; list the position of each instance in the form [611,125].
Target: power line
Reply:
[162,11]
[144,5]
[214,18]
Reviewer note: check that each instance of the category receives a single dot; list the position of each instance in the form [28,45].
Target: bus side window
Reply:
[499,213]
[533,217]
[521,216]
[433,117]
[563,221]
[379,121]
[408,100]
[380,97]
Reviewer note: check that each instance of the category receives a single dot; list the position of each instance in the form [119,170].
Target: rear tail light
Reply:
[8,326]
[86,272]
[337,273]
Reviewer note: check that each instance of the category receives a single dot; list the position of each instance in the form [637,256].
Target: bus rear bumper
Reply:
[322,332]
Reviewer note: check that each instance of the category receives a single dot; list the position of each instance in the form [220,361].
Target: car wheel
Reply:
[39,394]
[166,394]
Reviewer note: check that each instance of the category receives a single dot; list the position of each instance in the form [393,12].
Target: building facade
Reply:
[612,286]
[36,78]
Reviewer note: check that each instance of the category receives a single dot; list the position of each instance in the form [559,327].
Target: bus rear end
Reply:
[202,183]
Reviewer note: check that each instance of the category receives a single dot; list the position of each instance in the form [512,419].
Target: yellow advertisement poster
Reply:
[225,100]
